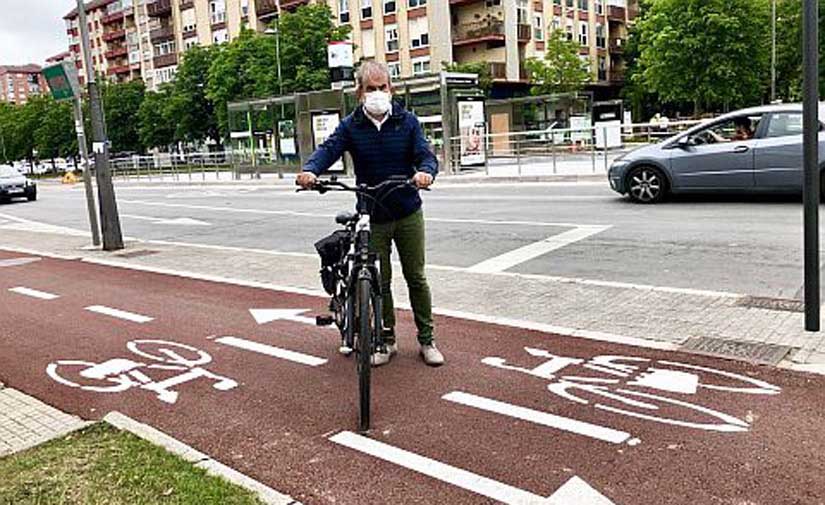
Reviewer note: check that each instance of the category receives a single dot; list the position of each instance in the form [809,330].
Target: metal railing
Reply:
[199,166]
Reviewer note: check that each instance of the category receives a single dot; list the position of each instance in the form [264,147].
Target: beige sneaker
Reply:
[382,358]
[432,356]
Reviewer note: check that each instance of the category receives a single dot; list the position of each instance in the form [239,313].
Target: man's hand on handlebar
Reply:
[422,180]
[306,180]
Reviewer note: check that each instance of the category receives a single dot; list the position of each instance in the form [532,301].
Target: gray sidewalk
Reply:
[568,306]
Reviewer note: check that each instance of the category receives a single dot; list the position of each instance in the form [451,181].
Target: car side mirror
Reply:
[684,142]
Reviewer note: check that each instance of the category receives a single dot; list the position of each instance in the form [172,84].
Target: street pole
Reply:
[109,218]
[810,64]
[277,33]
[3,144]
[773,50]
[87,168]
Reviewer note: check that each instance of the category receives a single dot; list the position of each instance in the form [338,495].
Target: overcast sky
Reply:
[32,30]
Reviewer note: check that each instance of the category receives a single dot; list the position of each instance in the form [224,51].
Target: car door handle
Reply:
[741,149]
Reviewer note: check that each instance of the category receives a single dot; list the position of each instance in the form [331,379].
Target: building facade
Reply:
[19,83]
[146,38]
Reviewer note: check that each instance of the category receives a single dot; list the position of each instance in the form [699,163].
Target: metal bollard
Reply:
[606,164]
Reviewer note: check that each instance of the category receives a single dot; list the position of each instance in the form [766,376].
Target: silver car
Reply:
[13,184]
[750,150]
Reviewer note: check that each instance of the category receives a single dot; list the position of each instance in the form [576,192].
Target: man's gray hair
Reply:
[371,68]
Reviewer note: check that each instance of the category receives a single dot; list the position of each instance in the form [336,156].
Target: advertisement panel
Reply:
[323,126]
[472,127]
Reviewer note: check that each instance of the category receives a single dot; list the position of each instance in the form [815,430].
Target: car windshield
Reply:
[6,172]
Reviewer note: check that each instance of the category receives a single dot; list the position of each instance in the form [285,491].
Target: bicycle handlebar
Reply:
[322,186]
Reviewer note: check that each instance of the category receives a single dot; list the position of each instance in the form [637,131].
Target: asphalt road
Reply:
[515,416]
[750,245]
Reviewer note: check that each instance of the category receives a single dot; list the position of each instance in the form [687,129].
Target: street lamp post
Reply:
[773,50]
[277,32]
[810,65]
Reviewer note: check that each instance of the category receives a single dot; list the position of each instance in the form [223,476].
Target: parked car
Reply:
[13,184]
[717,156]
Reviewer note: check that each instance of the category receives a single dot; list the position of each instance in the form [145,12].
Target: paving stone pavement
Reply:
[26,422]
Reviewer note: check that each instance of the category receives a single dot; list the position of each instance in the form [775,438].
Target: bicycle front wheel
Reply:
[366,329]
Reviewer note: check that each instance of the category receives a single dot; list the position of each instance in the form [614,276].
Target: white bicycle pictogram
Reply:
[121,374]
[615,387]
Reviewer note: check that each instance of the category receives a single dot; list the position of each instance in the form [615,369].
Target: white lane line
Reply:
[536,249]
[120,314]
[543,418]
[264,316]
[268,350]
[180,221]
[34,293]
[574,491]
[15,262]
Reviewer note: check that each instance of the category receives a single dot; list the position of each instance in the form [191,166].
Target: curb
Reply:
[197,458]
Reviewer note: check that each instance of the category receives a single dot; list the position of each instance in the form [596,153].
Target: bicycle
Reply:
[351,274]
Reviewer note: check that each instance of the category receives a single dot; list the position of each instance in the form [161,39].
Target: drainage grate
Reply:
[783,304]
[768,354]
[136,254]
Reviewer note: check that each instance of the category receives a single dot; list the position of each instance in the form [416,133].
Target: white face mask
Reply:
[377,103]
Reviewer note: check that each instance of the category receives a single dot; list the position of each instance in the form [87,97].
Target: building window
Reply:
[167,47]
[538,27]
[421,66]
[492,3]
[190,43]
[167,74]
[418,32]
[583,34]
[602,68]
[217,11]
[583,5]
[188,20]
[343,10]
[389,6]
[368,43]
[521,12]
[417,3]
[391,38]
[220,36]
[366,9]
[395,70]
[244,8]
[599,7]
[601,42]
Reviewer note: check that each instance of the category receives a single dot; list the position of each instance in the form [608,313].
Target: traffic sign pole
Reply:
[810,63]
[87,169]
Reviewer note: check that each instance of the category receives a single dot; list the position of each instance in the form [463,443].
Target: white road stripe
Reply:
[34,293]
[574,491]
[120,314]
[543,418]
[268,350]
[536,249]
[15,262]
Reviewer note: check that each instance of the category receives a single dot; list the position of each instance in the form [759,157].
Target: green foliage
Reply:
[121,103]
[482,68]
[789,49]
[188,104]
[712,53]
[156,124]
[561,70]
[55,136]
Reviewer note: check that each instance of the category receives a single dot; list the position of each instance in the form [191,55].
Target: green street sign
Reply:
[62,79]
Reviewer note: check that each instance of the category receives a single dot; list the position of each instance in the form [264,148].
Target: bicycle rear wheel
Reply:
[366,329]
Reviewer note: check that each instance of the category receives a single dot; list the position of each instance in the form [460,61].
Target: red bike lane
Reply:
[516,416]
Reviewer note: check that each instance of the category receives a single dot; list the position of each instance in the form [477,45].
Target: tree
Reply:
[155,123]
[26,119]
[304,36]
[482,68]
[55,136]
[193,111]
[561,71]
[789,49]
[712,53]
[121,103]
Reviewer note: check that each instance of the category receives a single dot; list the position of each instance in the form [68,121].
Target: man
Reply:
[385,140]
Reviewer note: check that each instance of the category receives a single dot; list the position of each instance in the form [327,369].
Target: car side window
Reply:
[737,129]
[784,124]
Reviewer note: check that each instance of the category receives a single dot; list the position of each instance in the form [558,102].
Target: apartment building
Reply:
[19,83]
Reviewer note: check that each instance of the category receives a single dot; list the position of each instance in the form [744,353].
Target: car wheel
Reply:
[31,195]
[646,185]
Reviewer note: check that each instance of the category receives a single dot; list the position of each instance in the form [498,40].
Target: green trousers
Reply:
[408,235]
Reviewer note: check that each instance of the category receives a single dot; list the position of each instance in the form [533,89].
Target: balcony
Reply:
[162,33]
[291,5]
[459,3]
[617,46]
[489,30]
[165,60]
[524,33]
[114,35]
[116,52]
[632,12]
[121,69]
[217,18]
[617,76]
[266,8]
[159,8]
[112,18]
[186,4]
[616,13]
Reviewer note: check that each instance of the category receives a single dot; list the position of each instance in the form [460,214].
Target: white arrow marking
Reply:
[120,314]
[543,418]
[263,316]
[33,293]
[180,221]
[574,492]
[17,262]
[268,350]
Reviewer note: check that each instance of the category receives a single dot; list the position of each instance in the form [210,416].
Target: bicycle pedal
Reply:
[324,320]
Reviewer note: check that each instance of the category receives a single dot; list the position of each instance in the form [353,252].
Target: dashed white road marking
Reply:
[268,350]
[120,314]
[574,491]
[20,290]
[510,259]
[543,418]
[179,221]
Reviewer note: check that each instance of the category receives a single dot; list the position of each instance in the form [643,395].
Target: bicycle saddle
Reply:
[345,217]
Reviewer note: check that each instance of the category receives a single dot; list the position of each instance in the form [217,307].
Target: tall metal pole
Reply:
[810,63]
[80,128]
[109,218]
[773,50]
